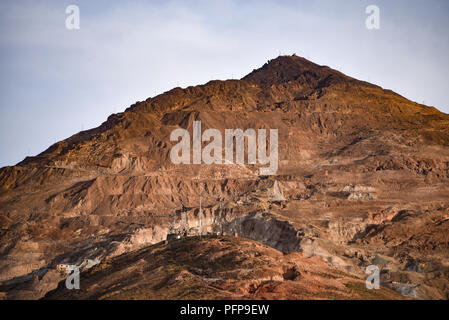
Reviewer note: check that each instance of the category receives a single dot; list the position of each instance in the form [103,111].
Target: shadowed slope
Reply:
[217,268]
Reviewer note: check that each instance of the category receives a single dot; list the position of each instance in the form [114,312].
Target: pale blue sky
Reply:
[56,82]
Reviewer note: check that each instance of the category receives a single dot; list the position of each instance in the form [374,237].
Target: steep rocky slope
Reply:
[217,268]
[363,179]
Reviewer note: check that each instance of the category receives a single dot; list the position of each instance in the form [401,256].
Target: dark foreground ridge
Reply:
[217,268]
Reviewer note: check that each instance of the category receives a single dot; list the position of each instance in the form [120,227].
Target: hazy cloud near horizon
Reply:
[56,82]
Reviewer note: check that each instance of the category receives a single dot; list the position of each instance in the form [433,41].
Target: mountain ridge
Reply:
[362,179]
[319,77]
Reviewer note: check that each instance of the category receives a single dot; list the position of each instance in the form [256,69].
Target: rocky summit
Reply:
[362,179]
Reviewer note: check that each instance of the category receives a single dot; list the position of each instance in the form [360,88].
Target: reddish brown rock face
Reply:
[217,268]
[363,179]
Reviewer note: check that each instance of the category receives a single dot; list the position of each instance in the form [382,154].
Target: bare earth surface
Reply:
[217,268]
[363,179]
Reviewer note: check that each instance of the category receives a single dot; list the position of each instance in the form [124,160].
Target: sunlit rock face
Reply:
[362,179]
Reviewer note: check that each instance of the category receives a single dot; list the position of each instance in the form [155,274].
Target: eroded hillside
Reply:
[363,179]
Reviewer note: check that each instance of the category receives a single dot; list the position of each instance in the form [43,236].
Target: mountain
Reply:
[362,179]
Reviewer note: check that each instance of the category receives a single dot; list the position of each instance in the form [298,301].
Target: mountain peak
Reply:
[294,68]
[347,153]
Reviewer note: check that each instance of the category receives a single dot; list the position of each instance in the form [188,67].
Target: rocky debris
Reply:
[276,193]
[360,192]
[217,268]
[267,230]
